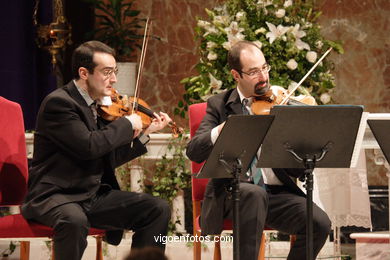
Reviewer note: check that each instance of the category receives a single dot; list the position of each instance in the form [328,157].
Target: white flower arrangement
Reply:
[285,30]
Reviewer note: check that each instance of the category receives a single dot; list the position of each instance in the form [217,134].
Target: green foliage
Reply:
[171,174]
[288,35]
[172,171]
[10,250]
[4,211]
[118,26]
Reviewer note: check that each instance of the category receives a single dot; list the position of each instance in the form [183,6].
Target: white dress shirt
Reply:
[268,174]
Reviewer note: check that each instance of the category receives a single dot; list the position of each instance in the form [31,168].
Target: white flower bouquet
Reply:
[286,32]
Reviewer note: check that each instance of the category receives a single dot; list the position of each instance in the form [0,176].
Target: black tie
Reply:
[255,174]
[244,104]
[94,110]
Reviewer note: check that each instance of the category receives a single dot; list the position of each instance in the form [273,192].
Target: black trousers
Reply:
[277,209]
[146,215]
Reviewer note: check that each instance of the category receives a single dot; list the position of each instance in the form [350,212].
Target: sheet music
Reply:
[379,116]
[359,139]
[369,141]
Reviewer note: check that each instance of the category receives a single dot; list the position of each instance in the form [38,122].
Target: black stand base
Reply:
[309,168]
[235,183]
[236,208]
[309,162]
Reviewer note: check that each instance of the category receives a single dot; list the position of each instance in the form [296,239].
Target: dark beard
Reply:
[261,91]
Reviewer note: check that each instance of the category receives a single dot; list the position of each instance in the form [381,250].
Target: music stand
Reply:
[380,129]
[232,154]
[308,137]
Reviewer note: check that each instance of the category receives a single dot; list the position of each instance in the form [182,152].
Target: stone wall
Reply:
[362,73]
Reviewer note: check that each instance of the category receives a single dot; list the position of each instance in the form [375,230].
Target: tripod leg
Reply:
[309,222]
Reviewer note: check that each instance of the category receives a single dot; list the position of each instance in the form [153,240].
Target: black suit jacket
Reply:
[219,107]
[73,157]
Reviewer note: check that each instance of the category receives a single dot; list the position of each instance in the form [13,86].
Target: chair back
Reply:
[13,156]
[196,114]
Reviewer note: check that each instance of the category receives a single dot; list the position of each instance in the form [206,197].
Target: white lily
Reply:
[233,39]
[215,84]
[298,34]
[275,32]
[235,30]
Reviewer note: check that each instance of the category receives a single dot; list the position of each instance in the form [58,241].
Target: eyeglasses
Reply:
[256,72]
[107,72]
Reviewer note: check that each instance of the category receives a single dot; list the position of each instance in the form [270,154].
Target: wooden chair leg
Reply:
[217,250]
[292,240]
[24,250]
[52,250]
[99,247]
[197,250]
[262,247]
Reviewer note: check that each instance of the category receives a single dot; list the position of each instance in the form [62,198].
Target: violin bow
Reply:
[284,101]
[141,63]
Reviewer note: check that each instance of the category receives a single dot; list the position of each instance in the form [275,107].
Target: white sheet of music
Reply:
[364,133]
[379,116]
[359,139]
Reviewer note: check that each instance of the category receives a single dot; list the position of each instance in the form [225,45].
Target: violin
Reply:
[262,105]
[121,106]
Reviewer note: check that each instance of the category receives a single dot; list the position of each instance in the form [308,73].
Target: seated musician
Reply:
[268,197]
[72,185]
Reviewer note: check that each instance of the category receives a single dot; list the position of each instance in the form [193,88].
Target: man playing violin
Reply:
[268,197]
[72,185]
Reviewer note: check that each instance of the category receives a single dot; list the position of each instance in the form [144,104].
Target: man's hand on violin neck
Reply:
[160,121]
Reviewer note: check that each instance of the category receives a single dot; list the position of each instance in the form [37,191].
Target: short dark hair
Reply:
[83,56]
[234,60]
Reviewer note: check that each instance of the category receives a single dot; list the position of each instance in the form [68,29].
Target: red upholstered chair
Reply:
[13,182]
[196,114]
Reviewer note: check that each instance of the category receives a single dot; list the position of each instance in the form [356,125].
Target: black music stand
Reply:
[308,137]
[380,129]
[232,155]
